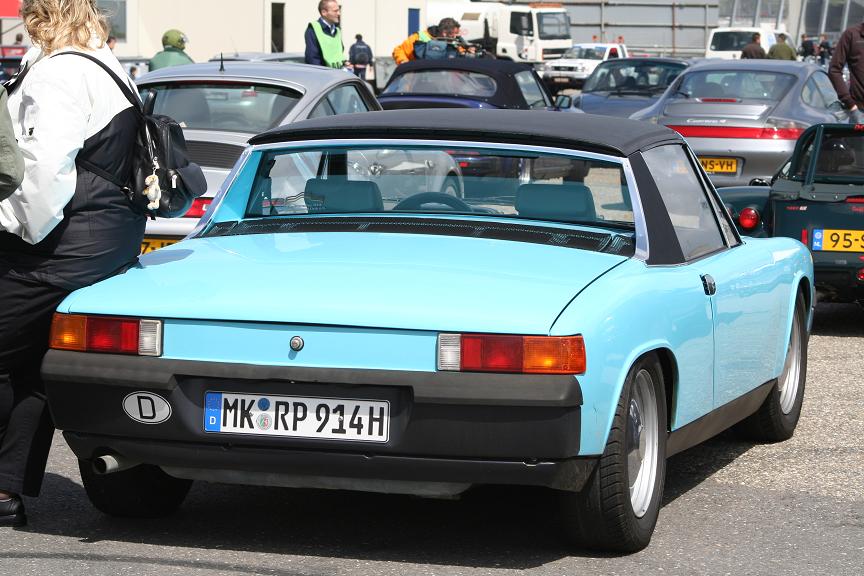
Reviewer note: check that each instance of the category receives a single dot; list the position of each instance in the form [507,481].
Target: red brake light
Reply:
[118,335]
[748,218]
[198,208]
[860,275]
[855,200]
[805,237]
[511,354]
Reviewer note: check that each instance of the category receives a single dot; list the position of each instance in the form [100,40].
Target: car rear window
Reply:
[737,84]
[439,180]
[730,40]
[586,53]
[639,76]
[447,82]
[231,107]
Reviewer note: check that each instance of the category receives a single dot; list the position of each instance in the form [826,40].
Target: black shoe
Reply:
[12,512]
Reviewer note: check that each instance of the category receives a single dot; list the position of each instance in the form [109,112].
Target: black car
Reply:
[817,197]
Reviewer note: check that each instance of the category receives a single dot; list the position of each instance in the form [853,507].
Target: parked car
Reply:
[574,67]
[353,338]
[817,198]
[727,43]
[294,57]
[465,83]
[742,118]
[623,87]
[222,106]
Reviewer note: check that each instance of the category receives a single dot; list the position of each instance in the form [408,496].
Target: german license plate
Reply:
[829,240]
[719,165]
[297,416]
[150,244]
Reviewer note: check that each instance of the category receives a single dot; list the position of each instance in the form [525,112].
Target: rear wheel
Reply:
[143,491]
[618,507]
[778,416]
[451,187]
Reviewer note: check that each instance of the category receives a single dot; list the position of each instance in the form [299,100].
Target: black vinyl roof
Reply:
[507,93]
[602,134]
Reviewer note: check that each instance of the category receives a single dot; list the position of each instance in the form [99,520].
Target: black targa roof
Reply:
[507,92]
[602,134]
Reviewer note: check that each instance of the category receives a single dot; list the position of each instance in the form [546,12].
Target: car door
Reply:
[738,278]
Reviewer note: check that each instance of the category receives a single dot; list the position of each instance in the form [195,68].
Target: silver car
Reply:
[742,117]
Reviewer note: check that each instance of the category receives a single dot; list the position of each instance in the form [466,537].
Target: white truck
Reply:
[575,66]
[524,33]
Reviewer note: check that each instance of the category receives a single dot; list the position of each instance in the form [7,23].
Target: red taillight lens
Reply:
[748,218]
[118,335]
[106,334]
[860,275]
[511,354]
[805,237]
[768,133]
[199,207]
[855,200]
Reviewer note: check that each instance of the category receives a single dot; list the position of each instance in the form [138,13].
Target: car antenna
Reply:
[221,62]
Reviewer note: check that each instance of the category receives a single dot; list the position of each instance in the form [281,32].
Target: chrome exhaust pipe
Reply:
[110,463]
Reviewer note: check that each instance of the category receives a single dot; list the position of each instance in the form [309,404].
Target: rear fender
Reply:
[736,198]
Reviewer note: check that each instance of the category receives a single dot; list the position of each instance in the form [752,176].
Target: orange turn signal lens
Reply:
[69,332]
[553,355]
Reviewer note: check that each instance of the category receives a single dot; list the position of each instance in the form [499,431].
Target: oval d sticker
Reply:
[146,408]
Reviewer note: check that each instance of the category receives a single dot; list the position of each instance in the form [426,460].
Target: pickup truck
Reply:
[577,64]
[817,197]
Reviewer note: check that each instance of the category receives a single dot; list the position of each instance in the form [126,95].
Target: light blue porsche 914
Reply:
[338,321]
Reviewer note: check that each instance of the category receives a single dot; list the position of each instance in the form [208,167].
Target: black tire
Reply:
[771,423]
[452,183]
[601,516]
[144,491]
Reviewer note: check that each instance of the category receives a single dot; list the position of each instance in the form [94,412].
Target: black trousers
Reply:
[26,428]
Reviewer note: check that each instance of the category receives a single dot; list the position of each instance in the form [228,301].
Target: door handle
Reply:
[709,285]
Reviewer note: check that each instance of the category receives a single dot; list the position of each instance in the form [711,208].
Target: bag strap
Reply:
[12,83]
[124,87]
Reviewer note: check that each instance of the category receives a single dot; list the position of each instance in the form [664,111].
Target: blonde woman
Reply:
[66,226]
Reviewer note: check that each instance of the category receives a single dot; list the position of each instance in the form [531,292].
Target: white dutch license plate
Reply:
[297,416]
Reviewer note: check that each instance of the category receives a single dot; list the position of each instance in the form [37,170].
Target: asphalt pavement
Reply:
[731,507]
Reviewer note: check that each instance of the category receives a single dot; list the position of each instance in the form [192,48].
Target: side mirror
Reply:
[563,102]
[759,182]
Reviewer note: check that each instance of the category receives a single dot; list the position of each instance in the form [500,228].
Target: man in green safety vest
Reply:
[324,37]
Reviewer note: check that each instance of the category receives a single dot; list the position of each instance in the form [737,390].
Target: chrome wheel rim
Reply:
[642,443]
[789,381]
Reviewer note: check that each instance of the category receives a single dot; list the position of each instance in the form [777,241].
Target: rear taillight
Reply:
[511,354]
[855,200]
[106,334]
[805,237]
[773,130]
[860,275]
[748,218]
[199,207]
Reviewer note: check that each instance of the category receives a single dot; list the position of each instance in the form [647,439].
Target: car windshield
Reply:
[553,25]
[840,160]
[730,40]
[736,84]
[632,76]
[448,82]
[232,107]
[433,180]
[586,53]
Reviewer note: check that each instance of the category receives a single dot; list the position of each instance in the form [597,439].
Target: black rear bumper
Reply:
[444,427]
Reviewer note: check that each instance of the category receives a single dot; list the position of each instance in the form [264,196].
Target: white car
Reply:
[571,70]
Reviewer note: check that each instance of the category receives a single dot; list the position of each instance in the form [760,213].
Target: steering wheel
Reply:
[416,201]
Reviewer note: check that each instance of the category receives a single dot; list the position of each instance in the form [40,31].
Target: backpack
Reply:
[362,56]
[163,182]
[434,50]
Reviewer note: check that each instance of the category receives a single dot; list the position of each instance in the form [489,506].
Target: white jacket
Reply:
[61,102]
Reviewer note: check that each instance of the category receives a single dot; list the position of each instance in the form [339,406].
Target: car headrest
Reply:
[569,201]
[341,195]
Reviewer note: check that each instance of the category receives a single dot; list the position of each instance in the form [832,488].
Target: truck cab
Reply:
[522,33]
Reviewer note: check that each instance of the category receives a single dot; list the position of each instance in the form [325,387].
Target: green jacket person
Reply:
[173,44]
[781,50]
[323,37]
